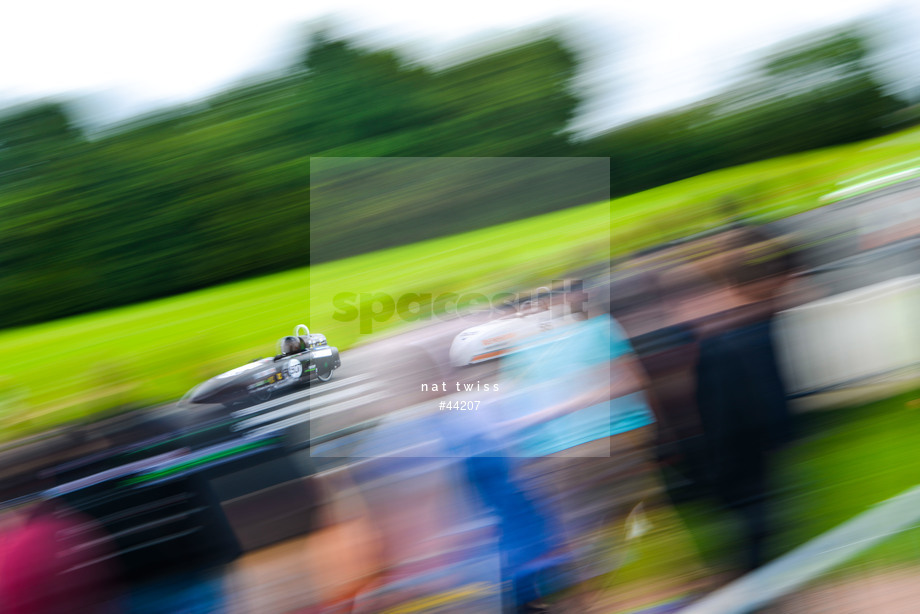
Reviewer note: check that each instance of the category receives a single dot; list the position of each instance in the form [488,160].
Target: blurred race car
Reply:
[302,358]
[531,320]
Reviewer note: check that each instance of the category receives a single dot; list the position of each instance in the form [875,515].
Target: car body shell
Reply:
[508,334]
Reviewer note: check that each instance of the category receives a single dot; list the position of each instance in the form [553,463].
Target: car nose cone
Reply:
[214,391]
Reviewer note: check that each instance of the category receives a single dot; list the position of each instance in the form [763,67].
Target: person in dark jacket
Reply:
[740,391]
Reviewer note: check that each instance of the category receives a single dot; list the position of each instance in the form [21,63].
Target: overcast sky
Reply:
[649,55]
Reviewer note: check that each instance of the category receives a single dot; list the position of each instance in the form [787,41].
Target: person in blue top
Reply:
[577,418]
[429,475]
[509,459]
[590,362]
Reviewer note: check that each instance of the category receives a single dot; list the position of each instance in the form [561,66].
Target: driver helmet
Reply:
[291,345]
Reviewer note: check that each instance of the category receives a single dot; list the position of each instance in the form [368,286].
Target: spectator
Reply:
[740,392]
[581,423]
[442,500]
[54,561]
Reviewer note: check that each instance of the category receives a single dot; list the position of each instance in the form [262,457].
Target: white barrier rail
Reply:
[807,562]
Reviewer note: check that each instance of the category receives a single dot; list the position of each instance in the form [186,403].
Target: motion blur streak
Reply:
[546,400]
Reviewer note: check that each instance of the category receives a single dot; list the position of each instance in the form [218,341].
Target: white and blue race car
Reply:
[531,321]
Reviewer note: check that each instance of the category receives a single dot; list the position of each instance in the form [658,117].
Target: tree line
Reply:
[220,190]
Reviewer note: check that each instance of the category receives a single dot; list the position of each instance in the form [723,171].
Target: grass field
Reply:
[153,352]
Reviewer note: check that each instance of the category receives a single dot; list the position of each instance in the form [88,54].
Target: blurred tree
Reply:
[210,192]
[34,136]
[516,102]
[350,95]
[825,87]
[845,50]
[815,92]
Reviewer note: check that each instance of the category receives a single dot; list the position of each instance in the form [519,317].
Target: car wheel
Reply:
[324,376]
[262,395]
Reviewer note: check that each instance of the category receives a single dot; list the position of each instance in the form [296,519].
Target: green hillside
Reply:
[153,352]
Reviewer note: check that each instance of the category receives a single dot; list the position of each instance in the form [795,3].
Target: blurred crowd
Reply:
[660,388]
[598,422]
